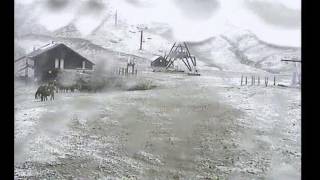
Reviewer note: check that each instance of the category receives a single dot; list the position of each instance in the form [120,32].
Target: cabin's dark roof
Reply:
[48,47]
[160,61]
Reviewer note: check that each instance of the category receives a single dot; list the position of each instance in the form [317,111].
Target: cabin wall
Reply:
[43,63]
[47,61]
[72,60]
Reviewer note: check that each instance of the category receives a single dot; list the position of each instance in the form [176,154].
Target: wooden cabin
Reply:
[55,57]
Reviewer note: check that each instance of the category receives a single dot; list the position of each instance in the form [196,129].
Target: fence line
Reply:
[244,80]
[124,71]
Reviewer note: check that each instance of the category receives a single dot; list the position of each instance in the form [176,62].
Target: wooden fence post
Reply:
[246,80]
[266,81]
[274,80]
[251,80]
[241,79]
[258,80]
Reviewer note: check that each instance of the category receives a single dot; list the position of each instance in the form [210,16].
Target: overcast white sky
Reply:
[274,21]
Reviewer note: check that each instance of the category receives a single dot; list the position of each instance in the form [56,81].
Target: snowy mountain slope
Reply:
[215,52]
[232,50]
[260,54]
[236,50]
[244,53]
[126,38]
[29,34]
[67,31]
[25,22]
[123,37]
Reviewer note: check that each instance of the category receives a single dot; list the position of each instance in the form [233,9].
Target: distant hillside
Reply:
[67,31]
[25,21]
[232,51]
[235,50]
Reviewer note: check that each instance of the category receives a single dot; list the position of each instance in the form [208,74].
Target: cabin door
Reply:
[83,64]
[56,63]
[61,63]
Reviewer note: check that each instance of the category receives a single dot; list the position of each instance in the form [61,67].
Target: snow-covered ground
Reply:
[188,127]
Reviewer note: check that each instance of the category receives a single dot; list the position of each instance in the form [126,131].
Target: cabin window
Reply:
[56,63]
[61,63]
[83,64]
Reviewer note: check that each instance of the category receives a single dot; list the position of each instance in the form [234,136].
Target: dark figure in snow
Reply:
[44,91]
[73,87]
[37,94]
[39,91]
[44,94]
[51,89]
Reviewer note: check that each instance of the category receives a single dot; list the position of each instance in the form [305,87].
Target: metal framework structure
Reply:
[181,52]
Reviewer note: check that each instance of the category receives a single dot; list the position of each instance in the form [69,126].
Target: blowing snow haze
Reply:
[276,22]
[121,112]
[198,9]
[276,14]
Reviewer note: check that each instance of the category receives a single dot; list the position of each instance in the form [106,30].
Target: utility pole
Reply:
[141,37]
[116,18]
[141,28]
[26,71]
